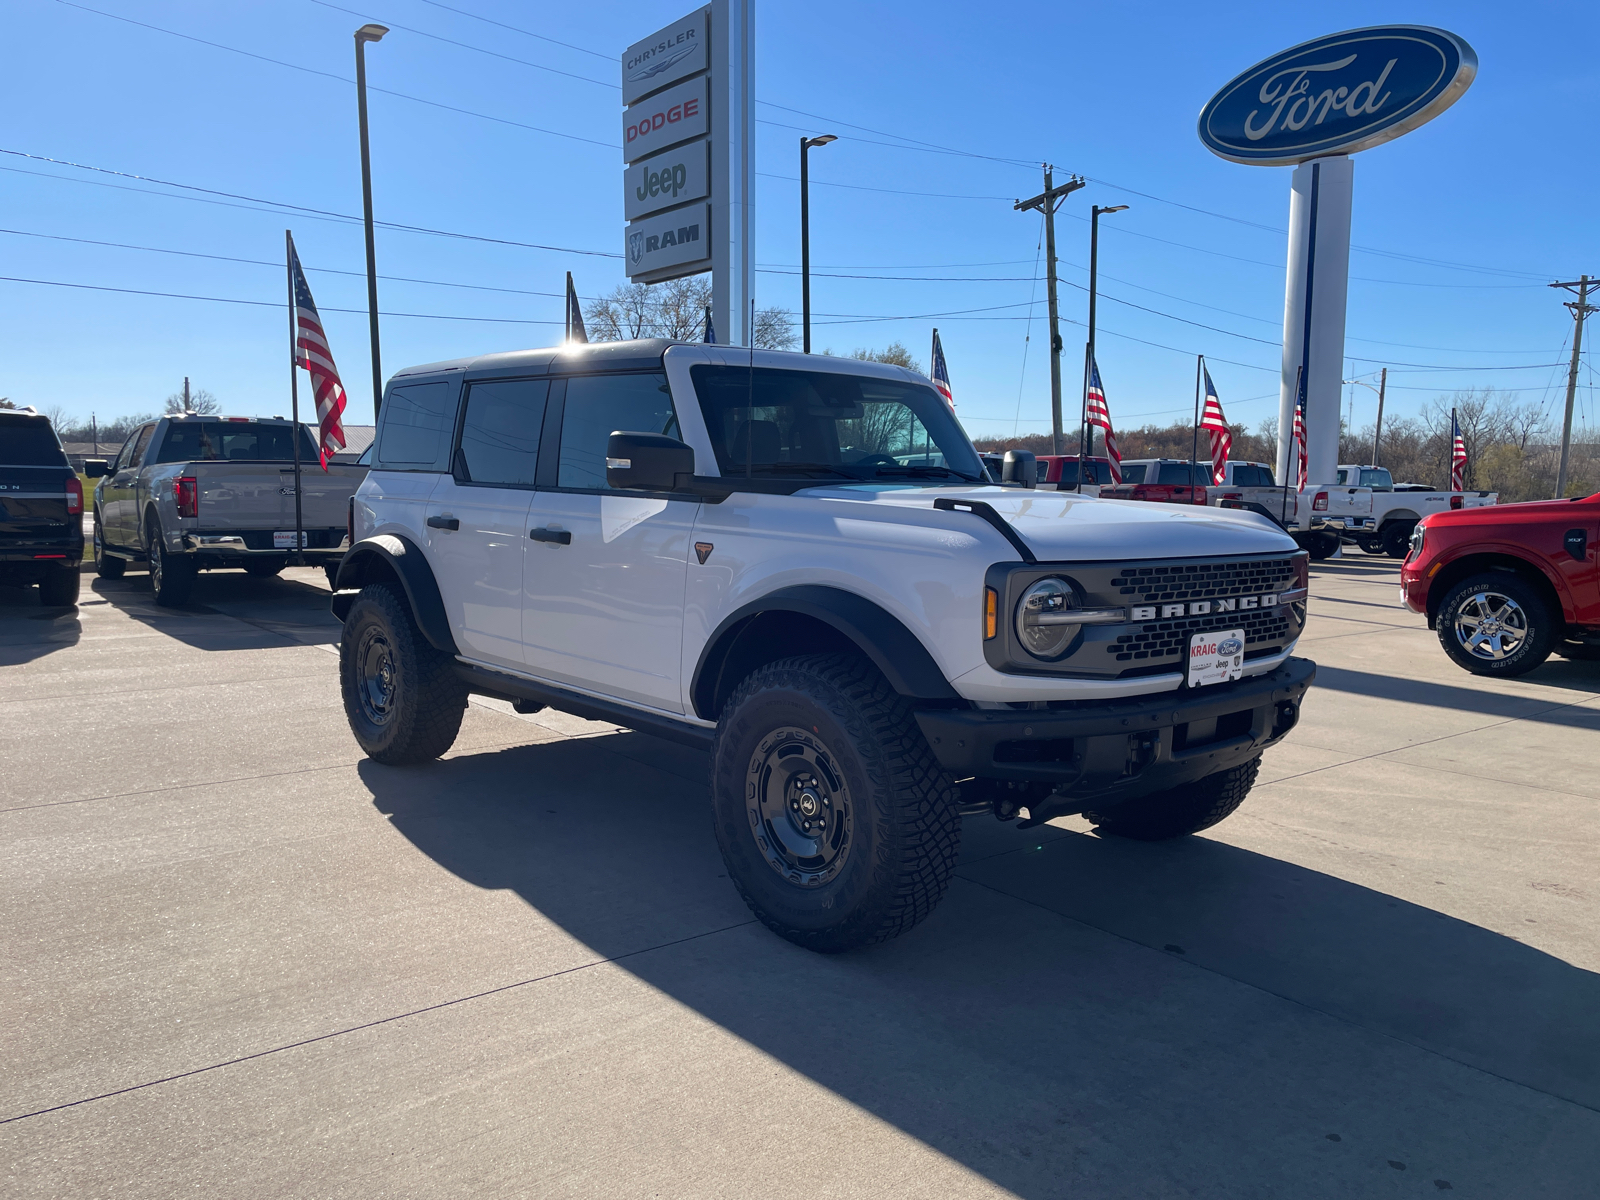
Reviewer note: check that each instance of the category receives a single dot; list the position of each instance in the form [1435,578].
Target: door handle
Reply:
[561,537]
[443,523]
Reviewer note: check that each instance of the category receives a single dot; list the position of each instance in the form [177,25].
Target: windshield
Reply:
[824,424]
[233,441]
[25,443]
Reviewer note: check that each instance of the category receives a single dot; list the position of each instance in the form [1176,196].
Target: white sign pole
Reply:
[1314,313]
[733,257]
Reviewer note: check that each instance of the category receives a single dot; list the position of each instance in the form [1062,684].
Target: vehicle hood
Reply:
[1519,513]
[1067,527]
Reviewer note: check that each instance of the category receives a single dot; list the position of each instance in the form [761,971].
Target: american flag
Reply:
[1216,427]
[941,372]
[1458,453]
[575,330]
[311,352]
[1301,473]
[1100,415]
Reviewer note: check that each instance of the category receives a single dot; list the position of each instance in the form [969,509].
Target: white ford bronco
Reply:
[799,564]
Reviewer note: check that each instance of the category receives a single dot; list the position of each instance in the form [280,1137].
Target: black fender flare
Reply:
[882,637]
[391,555]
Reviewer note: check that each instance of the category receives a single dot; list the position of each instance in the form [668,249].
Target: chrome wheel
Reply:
[799,807]
[375,682]
[157,562]
[1491,626]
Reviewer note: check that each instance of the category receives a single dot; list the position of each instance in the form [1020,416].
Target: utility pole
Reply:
[1047,202]
[1377,430]
[185,393]
[368,33]
[1580,310]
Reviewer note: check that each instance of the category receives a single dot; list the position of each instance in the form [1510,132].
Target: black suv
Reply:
[41,510]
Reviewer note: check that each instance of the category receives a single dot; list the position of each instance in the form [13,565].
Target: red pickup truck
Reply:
[1507,586]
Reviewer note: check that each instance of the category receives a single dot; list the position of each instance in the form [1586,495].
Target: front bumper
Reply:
[1119,749]
[1414,584]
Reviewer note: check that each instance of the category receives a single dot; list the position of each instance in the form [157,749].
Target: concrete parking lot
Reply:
[241,960]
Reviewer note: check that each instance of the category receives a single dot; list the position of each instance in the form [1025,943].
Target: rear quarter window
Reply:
[416,427]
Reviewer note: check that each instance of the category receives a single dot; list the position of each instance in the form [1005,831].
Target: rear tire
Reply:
[1397,539]
[837,824]
[171,578]
[402,696]
[1497,624]
[1180,811]
[59,589]
[107,566]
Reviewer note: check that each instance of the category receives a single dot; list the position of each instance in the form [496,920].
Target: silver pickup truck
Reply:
[190,493]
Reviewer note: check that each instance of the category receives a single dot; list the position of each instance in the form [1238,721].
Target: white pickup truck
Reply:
[798,564]
[1393,511]
[189,493]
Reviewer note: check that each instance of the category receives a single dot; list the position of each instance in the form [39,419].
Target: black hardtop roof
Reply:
[12,414]
[643,354]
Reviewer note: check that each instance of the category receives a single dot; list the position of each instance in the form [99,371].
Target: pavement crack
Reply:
[381,1021]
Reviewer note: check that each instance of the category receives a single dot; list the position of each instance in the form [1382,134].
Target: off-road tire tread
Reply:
[1544,635]
[1180,811]
[59,589]
[922,793]
[433,698]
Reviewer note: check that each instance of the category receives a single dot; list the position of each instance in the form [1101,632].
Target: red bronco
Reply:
[1506,586]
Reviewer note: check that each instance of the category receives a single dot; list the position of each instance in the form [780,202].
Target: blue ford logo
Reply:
[1337,94]
[1228,647]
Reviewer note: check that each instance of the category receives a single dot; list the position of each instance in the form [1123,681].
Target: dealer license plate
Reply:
[1216,656]
[283,539]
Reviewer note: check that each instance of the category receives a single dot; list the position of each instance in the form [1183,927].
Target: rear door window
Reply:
[30,444]
[1133,474]
[598,406]
[418,421]
[500,432]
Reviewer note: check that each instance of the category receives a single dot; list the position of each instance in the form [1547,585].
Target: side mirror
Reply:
[650,462]
[1020,467]
[95,467]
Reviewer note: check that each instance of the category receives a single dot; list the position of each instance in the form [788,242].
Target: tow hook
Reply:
[1288,718]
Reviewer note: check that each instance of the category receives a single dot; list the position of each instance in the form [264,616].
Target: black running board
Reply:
[501,686]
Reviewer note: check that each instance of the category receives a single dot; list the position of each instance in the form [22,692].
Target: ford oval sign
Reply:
[1337,95]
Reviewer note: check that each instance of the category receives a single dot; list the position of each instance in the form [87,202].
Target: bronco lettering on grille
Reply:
[1201,608]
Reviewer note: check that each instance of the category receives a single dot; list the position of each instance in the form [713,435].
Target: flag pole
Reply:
[1085,438]
[1194,440]
[294,397]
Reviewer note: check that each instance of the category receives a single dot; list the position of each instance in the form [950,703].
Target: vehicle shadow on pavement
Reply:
[1558,673]
[266,613]
[1012,1041]
[29,630]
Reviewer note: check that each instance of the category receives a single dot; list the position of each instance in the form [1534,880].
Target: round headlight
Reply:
[1045,619]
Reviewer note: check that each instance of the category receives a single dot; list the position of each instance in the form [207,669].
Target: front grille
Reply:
[1264,629]
[1161,582]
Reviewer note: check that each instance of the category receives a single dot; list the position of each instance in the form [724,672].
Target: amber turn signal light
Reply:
[991,613]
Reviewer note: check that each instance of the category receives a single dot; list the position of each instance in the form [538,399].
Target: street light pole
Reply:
[369,33]
[805,238]
[1377,430]
[1088,359]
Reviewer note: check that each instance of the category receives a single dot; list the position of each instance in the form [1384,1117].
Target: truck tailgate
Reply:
[254,495]
[324,497]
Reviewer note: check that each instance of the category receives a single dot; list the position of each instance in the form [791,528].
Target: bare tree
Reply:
[200,401]
[895,354]
[677,310]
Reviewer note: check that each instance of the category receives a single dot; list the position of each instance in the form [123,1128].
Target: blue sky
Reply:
[1458,225]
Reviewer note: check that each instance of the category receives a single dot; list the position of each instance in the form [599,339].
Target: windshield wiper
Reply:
[789,468]
[925,472]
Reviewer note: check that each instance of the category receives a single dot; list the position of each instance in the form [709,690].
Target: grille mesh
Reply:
[1202,581]
[1170,639]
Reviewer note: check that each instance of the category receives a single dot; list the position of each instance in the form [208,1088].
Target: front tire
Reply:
[837,824]
[1497,624]
[59,589]
[1397,539]
[107,566]
[402,696]
[1180,811]
[171,579]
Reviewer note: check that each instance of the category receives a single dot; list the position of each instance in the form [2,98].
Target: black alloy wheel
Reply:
[402,696]
[1397,539]
[836,822]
